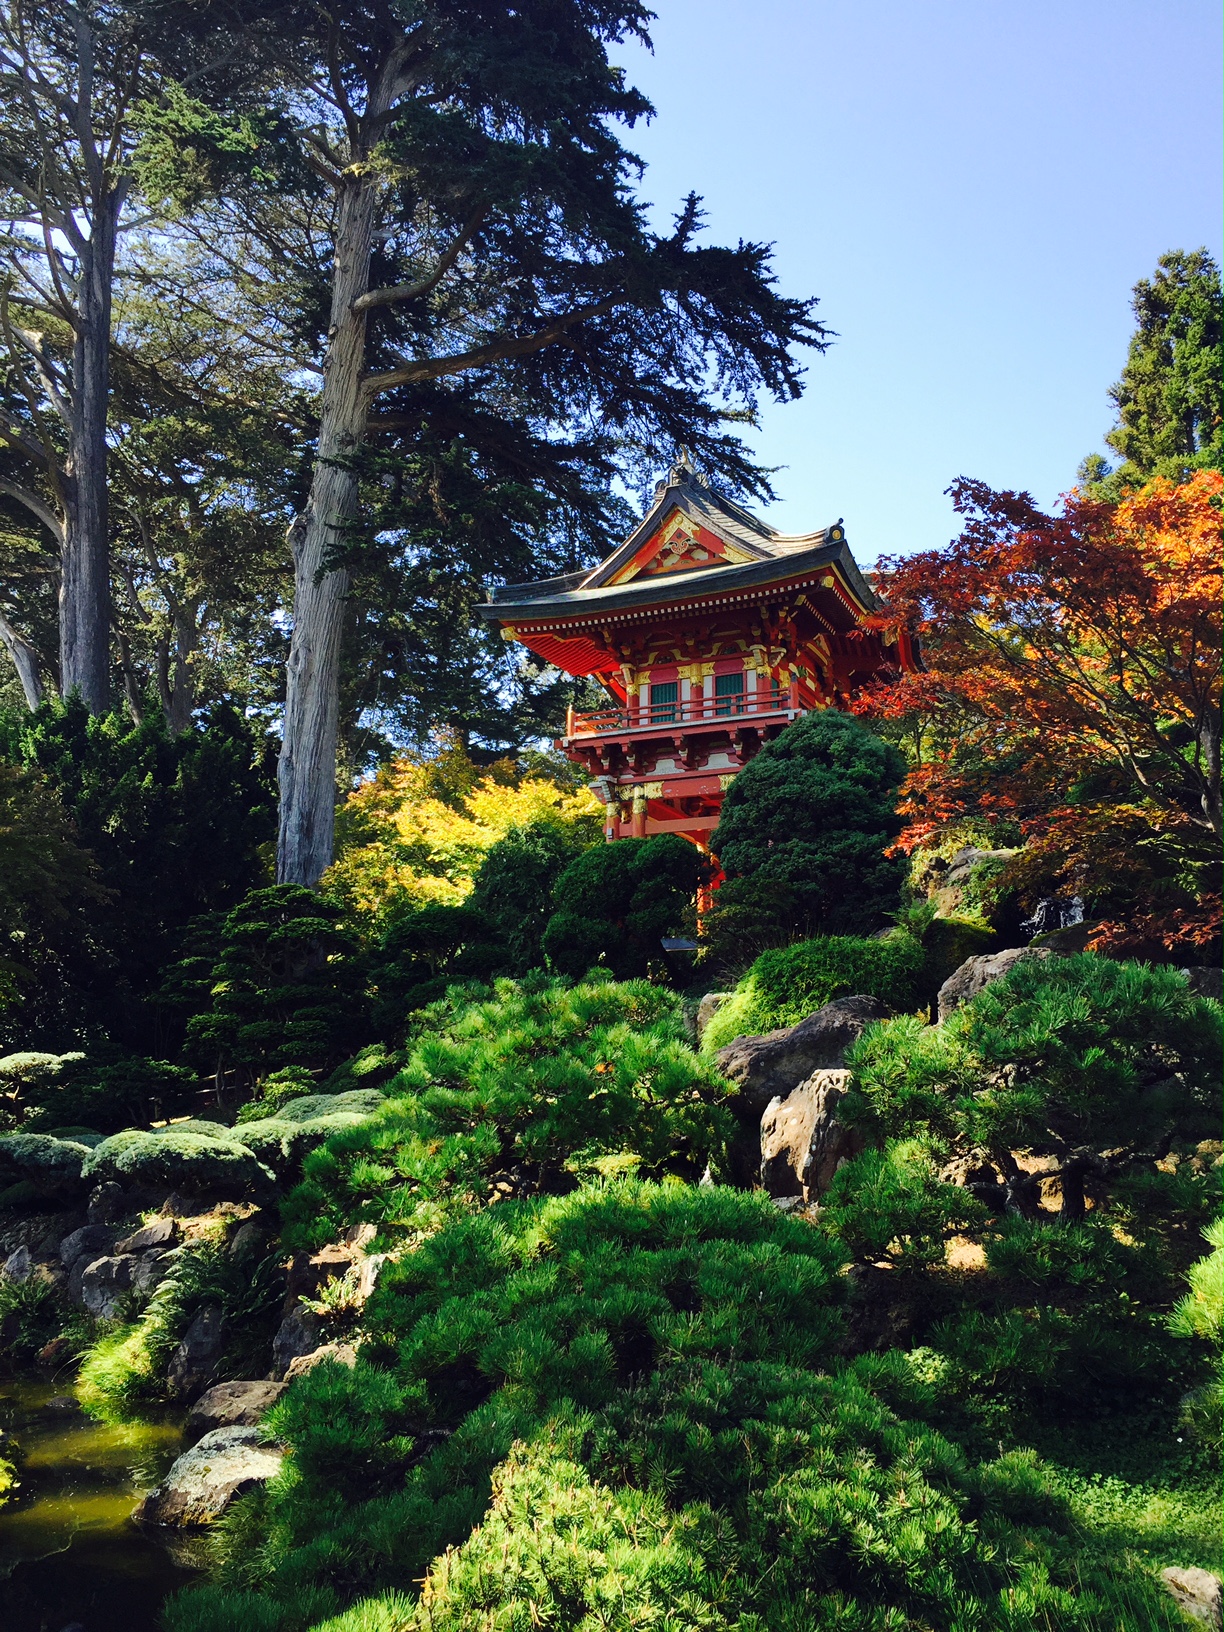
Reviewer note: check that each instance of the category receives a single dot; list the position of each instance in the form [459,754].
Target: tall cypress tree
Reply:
[456,208]
[1170,399]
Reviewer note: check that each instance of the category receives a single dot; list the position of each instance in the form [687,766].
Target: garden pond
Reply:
[69,1551]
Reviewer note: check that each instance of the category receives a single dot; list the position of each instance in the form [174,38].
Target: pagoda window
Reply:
[729,693]
[664,702]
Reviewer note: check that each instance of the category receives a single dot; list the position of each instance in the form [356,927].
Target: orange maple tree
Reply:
[1071,685]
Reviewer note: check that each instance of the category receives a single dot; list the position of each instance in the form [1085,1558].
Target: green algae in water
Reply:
[68,1548]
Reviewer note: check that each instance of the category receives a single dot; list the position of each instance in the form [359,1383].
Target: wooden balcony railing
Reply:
[635,716]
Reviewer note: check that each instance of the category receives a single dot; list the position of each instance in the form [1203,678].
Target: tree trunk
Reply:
[25,661]
[306,773]
[85,584]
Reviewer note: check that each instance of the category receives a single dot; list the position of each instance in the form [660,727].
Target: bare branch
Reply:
[25,661]
[397,293]
[434,368]
[36,506]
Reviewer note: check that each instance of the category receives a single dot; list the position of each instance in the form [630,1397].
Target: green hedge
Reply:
[784,986]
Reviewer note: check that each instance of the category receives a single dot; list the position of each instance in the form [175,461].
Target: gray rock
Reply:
[103,1283]
[341,1354]
[301,1332]
[162,1232]
[953,888]
[18,1266]
[1205,980]
[231,1405]
[1197,1592]
[707,1009]
[977,973]
[802,1141]
[149,1269]
[773,1065]
[194,1363]
[207,1478]
[90,1241]
[248,1238]
[107,1203]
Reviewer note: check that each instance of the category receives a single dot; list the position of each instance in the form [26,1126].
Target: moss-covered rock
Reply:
[179,1158]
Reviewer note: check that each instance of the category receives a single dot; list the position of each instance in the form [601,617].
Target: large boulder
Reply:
[957,890]
[977,973]
[771,1066]
[194,1362]
[1206,980]
[300,1333]
[103,1284]
[89,1242]
[339,1354]
[161,1233]
[204,1481]
[802,1141]
[231,1405]
[1197,1593]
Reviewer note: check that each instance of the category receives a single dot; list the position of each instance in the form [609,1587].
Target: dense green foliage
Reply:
[138,832]
[285,989]
[1064,1052]
[614,904]
[514,887]
[575,1396]
[811,815]
[516,1091]
[785,985]
[1168,399]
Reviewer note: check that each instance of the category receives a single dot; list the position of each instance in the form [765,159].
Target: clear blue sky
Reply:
[971,188]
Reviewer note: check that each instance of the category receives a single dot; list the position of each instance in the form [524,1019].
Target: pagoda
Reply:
[710,632]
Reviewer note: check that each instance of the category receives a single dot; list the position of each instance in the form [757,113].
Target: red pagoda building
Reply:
[710,632]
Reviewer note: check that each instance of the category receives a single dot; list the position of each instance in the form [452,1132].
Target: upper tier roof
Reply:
[664,559]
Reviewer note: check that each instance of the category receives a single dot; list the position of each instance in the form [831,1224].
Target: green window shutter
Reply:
[663,700]
[729,693]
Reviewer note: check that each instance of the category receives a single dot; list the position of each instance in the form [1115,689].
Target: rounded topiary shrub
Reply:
[812,815]
[617,901]
[784,986]
[52,1166]
[178,1158]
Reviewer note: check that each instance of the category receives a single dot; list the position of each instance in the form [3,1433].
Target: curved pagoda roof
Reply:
[692,543]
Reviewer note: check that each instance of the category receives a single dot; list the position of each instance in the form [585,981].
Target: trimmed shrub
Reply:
[53,1166]
[891,1205]
[287,988]
[785,985]
[513,891]
[814,811]
[620,1408]
[616,902]
[179,1158]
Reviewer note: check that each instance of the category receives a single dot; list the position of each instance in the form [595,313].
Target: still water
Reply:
[68,1549]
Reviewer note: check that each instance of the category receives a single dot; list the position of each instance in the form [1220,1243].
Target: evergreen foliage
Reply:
[890,1205]
[1168,399]
[614,904]
[570,1407]
[515,1091]
[513,890]
[173,826]
[1071,1057]
[812,812]
[785,985]
[287,987]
